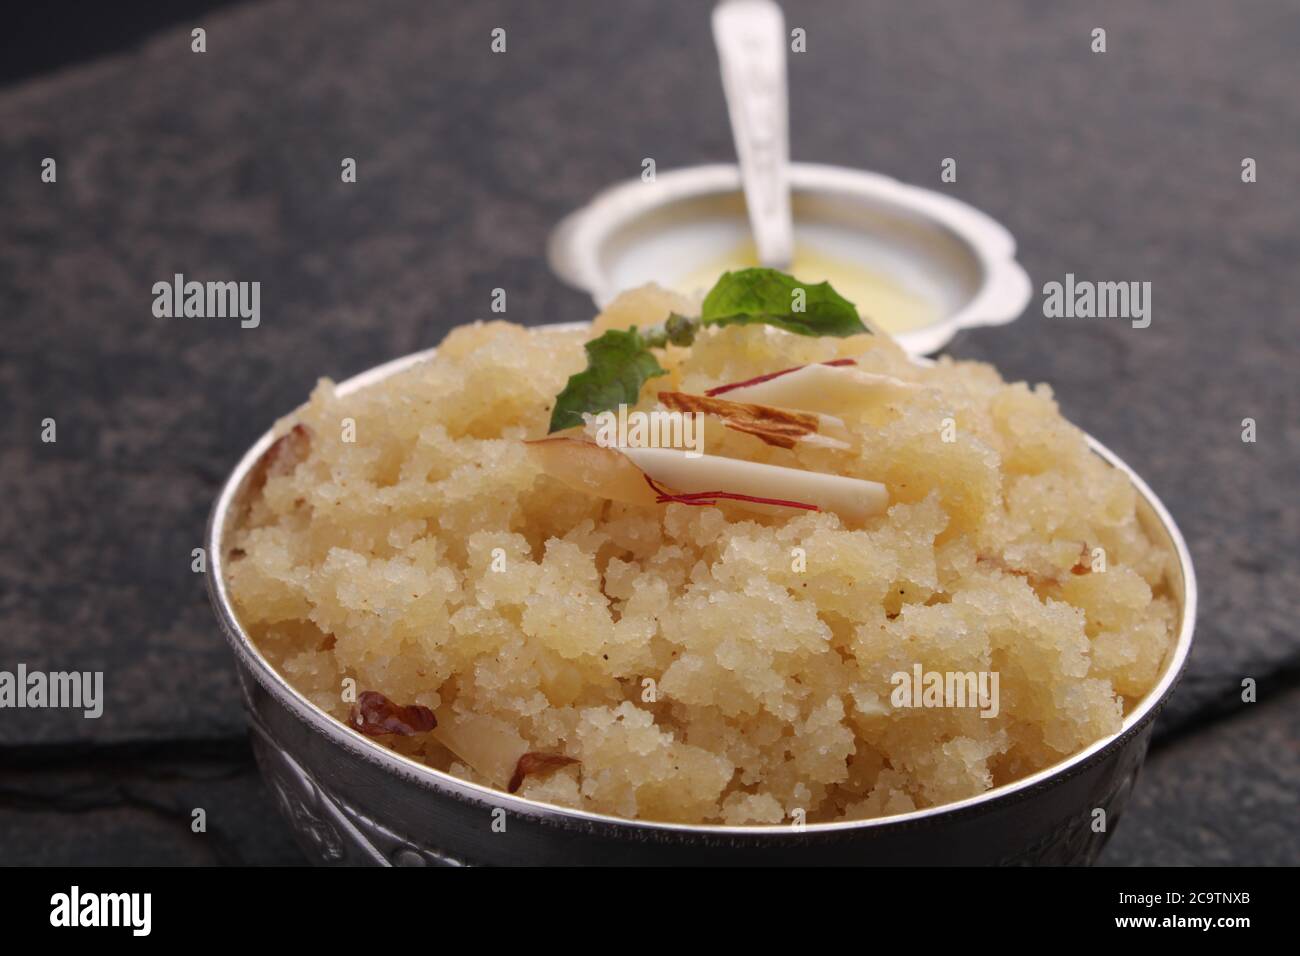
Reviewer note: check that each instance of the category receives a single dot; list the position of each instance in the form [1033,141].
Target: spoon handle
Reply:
[751,40]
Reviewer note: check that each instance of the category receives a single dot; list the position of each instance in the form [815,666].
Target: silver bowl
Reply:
[351,800]
[948,254]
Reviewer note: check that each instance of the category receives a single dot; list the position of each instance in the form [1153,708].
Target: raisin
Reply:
[533,762]
[374,714]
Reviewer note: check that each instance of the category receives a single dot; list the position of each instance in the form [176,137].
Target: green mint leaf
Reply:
[768,297]
[618,364]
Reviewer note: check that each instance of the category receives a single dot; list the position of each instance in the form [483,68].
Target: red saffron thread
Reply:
[771,375]
[710,498]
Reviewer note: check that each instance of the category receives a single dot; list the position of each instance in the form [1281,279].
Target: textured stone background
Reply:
[1118,166]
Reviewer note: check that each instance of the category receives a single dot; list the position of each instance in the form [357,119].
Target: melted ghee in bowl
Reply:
[877,296]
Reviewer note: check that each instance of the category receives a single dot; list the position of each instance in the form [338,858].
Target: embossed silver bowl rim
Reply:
[1152,512]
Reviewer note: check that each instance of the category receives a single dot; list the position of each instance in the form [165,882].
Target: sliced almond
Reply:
[821,388]
[776,426]
[591,468]
[851,498]
[489,745]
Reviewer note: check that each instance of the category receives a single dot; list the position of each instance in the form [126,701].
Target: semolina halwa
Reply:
[673,662]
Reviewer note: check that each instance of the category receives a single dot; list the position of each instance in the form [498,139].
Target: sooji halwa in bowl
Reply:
[453,562]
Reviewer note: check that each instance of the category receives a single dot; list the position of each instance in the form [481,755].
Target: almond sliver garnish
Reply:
[776,426]
[818,388]
[591,468]
[851,498]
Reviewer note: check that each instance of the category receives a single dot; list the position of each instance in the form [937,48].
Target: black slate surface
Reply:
[1115,166]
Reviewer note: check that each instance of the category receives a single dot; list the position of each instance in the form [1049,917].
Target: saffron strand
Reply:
[711,498]
[760,379]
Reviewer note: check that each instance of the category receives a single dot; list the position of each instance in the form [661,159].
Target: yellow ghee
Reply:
[878,296]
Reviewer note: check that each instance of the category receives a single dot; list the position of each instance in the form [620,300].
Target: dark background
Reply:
[1119,166]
